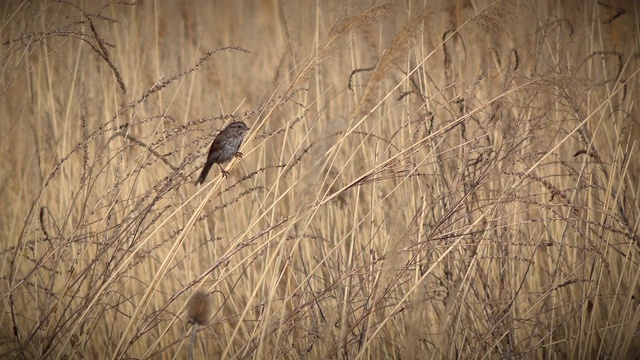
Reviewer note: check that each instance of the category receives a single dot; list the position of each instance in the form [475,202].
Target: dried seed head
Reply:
[199,308]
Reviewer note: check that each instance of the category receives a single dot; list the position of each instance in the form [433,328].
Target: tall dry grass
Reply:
[422,179]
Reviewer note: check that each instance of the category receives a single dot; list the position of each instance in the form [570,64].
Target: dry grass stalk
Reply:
[336,38]
[487,202]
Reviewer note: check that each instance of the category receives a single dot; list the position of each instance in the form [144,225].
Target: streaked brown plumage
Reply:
[224,147]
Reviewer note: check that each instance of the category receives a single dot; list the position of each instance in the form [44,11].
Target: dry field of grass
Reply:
[422,180]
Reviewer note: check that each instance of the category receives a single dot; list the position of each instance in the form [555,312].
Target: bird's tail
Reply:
[204,173]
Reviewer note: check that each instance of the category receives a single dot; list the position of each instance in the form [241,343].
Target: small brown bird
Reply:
[224,147]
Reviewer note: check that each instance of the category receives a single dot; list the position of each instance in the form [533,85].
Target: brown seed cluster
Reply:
[199,308]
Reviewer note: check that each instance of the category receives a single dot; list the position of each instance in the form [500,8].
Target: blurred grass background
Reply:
[422,179]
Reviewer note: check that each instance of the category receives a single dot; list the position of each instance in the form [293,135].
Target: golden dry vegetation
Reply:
[422,180]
